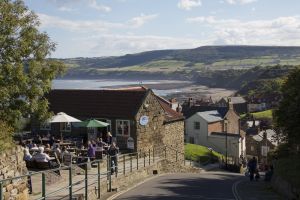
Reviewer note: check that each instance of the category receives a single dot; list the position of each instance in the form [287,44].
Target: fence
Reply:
[94,175]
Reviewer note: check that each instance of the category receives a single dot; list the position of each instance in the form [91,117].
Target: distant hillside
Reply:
[206,56]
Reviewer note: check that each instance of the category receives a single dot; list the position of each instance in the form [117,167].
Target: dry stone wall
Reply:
[12,165]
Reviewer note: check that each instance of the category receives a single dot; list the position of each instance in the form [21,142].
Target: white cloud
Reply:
[240,1]
[115,44]
[278,31]
[188,4]
[64,5]
[66,9]
[93,25]
[141,20]
[97,6]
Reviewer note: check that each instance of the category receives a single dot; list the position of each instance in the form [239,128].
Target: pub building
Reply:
[137,117]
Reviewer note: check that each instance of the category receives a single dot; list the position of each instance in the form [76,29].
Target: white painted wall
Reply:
[235,145]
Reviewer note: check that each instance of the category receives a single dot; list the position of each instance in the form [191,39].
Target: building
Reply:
[133,113]
[239,104]
[211,128]
[256,107]
[260,144]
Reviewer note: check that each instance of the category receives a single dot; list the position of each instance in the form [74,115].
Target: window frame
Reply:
[195,125]
[117,132]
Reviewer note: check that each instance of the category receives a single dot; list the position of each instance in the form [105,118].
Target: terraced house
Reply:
[135,113]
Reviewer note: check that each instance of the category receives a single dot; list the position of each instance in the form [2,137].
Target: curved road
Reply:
[184,186]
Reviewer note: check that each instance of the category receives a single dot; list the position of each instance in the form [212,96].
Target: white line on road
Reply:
[234,190]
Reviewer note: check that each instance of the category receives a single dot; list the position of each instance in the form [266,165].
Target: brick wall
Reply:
[215,127]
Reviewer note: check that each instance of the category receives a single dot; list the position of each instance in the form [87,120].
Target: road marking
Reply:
[234,190]
[124,191]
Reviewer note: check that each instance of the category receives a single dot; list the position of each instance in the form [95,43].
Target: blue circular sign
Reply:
[144,120]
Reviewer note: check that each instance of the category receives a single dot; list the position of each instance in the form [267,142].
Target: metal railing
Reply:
[115,165]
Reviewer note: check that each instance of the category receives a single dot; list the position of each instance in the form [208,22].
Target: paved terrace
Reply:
[126,164]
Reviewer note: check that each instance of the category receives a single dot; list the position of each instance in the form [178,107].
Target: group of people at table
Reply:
[41,152]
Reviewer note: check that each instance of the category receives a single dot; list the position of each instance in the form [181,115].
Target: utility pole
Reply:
[226,138]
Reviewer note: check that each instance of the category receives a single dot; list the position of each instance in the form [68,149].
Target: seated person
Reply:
[57,150]
[64,152]
[91,150]
[100,143]
[47,147]
[34,147]
[41,156]
[27,155]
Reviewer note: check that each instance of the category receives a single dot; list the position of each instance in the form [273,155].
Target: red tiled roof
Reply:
[97,103]
[170,114]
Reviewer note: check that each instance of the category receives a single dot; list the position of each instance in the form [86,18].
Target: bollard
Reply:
[137,161]
[149,156]
[99,179]
[86,181]
[43,186]
[124,164]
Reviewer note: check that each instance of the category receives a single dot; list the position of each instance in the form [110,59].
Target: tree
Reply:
[287,116]
[26,71]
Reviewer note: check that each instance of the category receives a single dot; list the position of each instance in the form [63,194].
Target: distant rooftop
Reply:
[210,116]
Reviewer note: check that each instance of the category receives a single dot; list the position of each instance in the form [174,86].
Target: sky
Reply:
[95,28]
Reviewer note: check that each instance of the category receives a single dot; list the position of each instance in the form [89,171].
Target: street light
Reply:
[225,129]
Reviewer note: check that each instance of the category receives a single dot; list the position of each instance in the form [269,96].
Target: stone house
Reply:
[135,113]
[239,104]
[210,129]
[260,144]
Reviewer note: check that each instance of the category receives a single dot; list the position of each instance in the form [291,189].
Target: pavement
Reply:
[245,189]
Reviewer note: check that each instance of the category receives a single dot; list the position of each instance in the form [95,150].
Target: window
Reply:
[45,126]
[66,127]
[196,125]
[123,127]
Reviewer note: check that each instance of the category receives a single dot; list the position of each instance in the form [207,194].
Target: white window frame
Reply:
[45,126]
[117,132]
[63,127]
[195,122]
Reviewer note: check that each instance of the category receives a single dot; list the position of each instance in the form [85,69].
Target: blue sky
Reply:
[94,28]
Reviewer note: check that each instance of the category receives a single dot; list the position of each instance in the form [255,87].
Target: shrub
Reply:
[6,133]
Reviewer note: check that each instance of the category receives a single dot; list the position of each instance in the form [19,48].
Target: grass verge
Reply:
[200,153]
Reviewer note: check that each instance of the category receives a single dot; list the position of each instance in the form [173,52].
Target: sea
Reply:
[109,83]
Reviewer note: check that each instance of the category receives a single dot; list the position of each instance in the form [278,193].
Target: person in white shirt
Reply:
[41,156]
[27,155]
[34,147]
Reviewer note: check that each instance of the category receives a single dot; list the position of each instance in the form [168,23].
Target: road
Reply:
[206,186]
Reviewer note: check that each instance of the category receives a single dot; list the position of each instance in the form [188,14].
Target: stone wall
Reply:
[12,165]
[173,136]
[149,136]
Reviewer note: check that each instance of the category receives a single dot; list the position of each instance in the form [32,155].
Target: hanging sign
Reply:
[130,143]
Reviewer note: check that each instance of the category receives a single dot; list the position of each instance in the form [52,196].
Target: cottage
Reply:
[212,129]
[260,144]
[239,104]
[134,113]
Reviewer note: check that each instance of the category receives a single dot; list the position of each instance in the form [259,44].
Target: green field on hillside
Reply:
[261,115]
[200,153]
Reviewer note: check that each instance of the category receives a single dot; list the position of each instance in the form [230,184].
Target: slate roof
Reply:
[211,116]
[237,100]
[194,109]
[110,103]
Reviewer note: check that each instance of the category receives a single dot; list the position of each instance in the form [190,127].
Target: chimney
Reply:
[230,104]
[190,102]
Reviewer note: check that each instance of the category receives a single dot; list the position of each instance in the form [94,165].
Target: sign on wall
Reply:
[144,120]
[130,143]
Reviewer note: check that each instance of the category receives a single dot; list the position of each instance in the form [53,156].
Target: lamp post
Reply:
[226,138]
